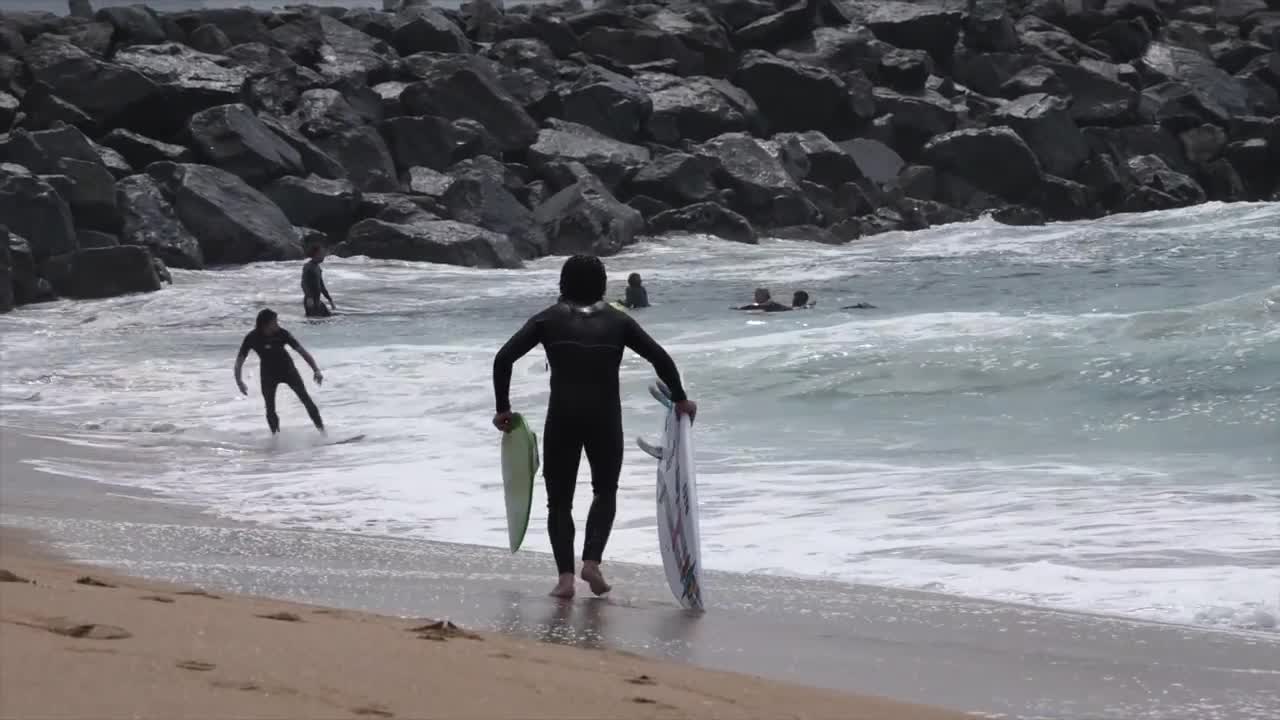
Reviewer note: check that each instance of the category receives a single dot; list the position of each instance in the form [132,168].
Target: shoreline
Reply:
[899,644]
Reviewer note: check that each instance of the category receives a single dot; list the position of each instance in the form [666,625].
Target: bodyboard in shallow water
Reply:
[344,441]
[678,537]
[519,467]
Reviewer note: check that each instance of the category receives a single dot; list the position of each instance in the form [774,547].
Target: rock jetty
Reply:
[490,135]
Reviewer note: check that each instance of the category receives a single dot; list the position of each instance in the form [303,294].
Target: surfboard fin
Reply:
[657,391]
[652,449]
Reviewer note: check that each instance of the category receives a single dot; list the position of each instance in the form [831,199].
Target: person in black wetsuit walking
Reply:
[270,340]
[313,285]
[584,338]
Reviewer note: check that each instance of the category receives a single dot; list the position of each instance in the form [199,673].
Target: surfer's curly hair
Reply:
[583,280]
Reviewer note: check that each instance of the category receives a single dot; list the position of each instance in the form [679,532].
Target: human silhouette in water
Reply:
[313,285]
[637,296]
[764,301]
[275,367]
[584,338]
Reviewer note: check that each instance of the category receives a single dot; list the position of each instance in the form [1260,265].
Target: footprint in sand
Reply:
[93,582]
[6,576]
[442,630]
[199,593]
[158,598]
[89,631]
[643,701]
[244,685]
[642,680]
[282,617]
[196,665]
[372,711]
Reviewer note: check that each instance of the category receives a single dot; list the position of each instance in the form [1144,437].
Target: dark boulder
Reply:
[1045,124]
[989,27]
[106,91]
[906,70]
[608,103]
[322,111]
[613,161]
[140,151]
[134,25]
[377,24]
[1257,164]
[241,25]
[647,206]
[1221,182]
[705,218]
[27,285]
[338,51]
[794,97]
[422,28]
[876,161]
[210,39]
[41,151]
[234,139]
[1018,216]
[1203,144]
[421,142]
[234,223]
[314,160]
[1062,199]
[435,241]
[259,58]
[1034,80]
[456,87]
[1211,84]
[697,108]
[151,221]
[102,272]
[314,202]
[279,92]
[698,30]
[927,26]
[1151,172]
[1235,55]
[389,94]
[362,151]
[481,18]
[1127,143]
[828,163]
[919,182]
[90,190]
[585,218]
[425,181]
[1177,106]
[32,209]
[677,178]
[1096,98]
[635,46]
[190,81]
[789,24]
[840,50]
[8,110]
[480,194]
[967,154]
[765,192]
[93,239]
[917,117]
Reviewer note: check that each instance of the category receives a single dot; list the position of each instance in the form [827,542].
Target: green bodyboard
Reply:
[519,467]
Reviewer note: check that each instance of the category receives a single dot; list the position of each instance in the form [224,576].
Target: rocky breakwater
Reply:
[490,135]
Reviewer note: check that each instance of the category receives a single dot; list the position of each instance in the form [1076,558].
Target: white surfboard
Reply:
[678,537]
[519,468]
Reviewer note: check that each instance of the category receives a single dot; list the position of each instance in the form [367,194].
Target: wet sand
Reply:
[995,659]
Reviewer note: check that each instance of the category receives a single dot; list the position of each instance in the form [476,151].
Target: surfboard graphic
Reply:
[677,505]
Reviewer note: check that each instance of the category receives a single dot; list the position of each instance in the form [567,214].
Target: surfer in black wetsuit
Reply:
[637,295]
[313,286]
[269,340]
[764,301]
[584,338]
[800,301]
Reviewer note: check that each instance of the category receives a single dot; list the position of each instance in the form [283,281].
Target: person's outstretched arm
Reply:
[525,339]
[293,343]
[649,349]
[240,357]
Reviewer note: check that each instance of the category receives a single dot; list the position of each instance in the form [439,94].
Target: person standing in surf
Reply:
[313,285]
[270,342]
[584,338]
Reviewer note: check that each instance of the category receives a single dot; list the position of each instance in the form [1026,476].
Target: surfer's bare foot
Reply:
[564,589]
[591,573]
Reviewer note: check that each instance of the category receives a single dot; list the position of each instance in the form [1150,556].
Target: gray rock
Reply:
[906,70]
[32,209]
[343,51]
[794,97]
[378,24]
[877,162]
[1212,86]
[26,284]
[697,108]
[234,223]
[210,39]
[547,28]
[1033,80]
[919,182]
[258,58]
[1152,172]
[456,87]
[481,18]
[92,239]
[1096,99]
[190,80]
[479,195]
[279,92]
[917,118]
[90,192]
[314,160]
[240,25]
[365,155]
[140,151]
[427,141]
[422,28]
[607,102]
[234,139]
[322,112]
[967,154]
[585,218]
[314,202]
[706,218]
[134,25]
[1255,161]
[931,27]
[436,241]
[764,191]
[102,272]
[1203,144]
[151,221]
[8,111]
[638,45]
[425,181]
[1062,199]
[613,161]
[106,91]
[829,164]
[989,27]
[1045,124]
[677,178]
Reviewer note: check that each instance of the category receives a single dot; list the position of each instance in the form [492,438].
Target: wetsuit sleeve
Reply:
[246,345]
[291,341]
[649,349]
[517,347]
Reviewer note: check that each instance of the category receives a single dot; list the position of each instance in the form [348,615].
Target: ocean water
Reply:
[1080,415]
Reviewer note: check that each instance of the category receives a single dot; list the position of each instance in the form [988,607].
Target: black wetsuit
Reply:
[312,288]
[768,306]
[277,367]
[637,297]
[584,348]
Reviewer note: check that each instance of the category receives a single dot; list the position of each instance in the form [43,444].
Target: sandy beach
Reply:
[138,649]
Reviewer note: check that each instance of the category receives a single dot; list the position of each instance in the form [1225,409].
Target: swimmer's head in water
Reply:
[800,299]
[267,321]
[762,295]
[583,280]
[634,280]
[317,252]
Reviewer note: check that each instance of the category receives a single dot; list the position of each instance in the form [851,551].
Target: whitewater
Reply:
[1079,415]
